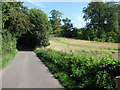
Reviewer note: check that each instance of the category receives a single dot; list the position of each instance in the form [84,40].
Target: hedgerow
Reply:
[81,72]
[8,47]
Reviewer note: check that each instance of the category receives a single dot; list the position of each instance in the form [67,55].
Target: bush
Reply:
[110,39]
[8,47]
[81,72]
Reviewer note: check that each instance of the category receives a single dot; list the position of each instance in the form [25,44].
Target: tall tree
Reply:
[103,18]
[111,17]
[95,13]
[67,28]
[15,18]
[119,22]
[55,21]
[38,34]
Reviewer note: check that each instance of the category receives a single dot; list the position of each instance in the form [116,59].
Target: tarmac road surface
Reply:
[27,71]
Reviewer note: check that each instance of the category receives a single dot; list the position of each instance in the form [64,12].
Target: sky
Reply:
[69,9]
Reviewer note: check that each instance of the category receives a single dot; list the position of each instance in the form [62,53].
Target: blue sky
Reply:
[71,10]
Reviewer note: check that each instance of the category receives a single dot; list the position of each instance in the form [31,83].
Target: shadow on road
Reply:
[25,48]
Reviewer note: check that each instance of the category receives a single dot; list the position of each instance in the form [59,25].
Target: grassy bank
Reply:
[80,71]
[83,47]
[8,48]
[6,58]
[0,51]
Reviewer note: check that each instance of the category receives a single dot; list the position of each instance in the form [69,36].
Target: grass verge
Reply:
[6,58]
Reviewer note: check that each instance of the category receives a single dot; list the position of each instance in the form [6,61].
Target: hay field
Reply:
[83,47]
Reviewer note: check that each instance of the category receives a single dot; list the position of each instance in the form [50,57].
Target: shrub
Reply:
[81,72]
[8,47]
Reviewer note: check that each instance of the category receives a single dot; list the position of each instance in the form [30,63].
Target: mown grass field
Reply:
[84,47]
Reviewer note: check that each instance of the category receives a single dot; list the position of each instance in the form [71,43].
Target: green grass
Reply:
[6,58]
[0,51]
[8,48]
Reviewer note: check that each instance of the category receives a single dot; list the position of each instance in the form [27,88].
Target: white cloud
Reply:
[80,19]
[40,4]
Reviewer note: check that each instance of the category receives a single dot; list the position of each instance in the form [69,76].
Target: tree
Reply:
[103,17]
[95,12]
[119,22]
[15,18]
[111,17]
[38,34]
[67,28]
[55,21]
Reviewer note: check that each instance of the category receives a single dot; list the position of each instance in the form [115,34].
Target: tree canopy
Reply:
[15,18]
[38,34]
[104,20]
[67,28]
[55,21]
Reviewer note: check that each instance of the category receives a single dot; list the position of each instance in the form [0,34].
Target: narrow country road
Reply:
[27,71]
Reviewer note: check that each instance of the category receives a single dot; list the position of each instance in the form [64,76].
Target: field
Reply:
[83,47]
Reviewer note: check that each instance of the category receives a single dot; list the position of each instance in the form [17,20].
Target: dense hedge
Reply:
[8,47]
[81,72]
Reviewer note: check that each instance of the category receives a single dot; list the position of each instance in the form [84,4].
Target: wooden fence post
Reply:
[117,81]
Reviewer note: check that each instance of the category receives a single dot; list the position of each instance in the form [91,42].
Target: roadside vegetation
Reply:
[80,71]
[81,63]
[8,48]
[0,51]
[20,28]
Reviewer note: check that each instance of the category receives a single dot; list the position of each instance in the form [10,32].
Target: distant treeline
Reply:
[103,23]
